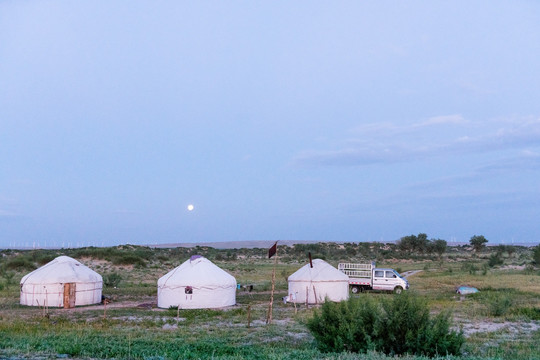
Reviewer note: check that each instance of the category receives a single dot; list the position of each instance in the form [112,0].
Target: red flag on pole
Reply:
[272,251]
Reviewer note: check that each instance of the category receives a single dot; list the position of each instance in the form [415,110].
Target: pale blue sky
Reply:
[331,121]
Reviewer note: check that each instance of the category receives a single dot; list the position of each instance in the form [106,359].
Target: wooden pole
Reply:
[46,303]
[40,308]
[269,317]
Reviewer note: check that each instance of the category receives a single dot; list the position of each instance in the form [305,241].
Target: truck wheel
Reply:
[355,290]
[398,290]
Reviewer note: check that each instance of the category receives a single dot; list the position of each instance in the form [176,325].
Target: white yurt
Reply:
[63,282]
[197,284]
[318,283]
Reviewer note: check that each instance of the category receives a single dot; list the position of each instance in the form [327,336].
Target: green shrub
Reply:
[498,304]
[346,326]
[536,255]
[496,301]
[20,263]
[529,270]
[530,313]
[409,329]
[112,279]
[128,259]
[495,259]
[219,257]
[470,268]
[42,258]
[195,315]
[96,253]
[7,275]
[400,325]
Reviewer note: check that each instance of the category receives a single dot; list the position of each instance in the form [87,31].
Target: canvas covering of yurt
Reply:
[62,282]
[197,284]
[318,283]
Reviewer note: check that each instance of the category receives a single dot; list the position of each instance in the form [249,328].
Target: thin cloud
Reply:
[388,128]
[527,161]
[349,157]
[7,214]
[486,199]
[8,208]
[444,119]
[124,212]
[382,148]
[456,199]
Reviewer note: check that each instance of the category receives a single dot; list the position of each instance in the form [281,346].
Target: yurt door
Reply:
[69,295]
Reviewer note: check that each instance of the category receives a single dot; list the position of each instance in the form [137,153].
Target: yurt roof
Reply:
[321,271]
[62,269]
[197,271]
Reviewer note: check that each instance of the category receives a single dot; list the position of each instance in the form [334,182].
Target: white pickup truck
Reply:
[366,276]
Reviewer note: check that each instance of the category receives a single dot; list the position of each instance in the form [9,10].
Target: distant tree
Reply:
[478,242]
[422,242]
[439,246]
[414,243]
[407,243]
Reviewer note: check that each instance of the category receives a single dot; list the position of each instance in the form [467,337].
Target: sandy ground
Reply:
[146,303]
[515,328]
[407,274]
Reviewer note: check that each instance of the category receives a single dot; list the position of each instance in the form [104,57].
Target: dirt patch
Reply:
[116,305]
[513,267]
[490,326]
[407,274]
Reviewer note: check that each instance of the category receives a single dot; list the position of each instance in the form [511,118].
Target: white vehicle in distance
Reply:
[365,276]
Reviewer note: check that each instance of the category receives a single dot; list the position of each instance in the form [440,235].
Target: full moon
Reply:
[190,207]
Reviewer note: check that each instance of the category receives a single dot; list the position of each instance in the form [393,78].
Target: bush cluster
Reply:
[469,267]
[112,279]
[529,312]
[121,255]
[536,255]
[497,302]
[20,263]
[495,259]
[396,326]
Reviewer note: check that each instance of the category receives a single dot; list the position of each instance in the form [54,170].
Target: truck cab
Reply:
[389,280]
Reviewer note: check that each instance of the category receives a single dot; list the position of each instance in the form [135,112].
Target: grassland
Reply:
[502,321]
